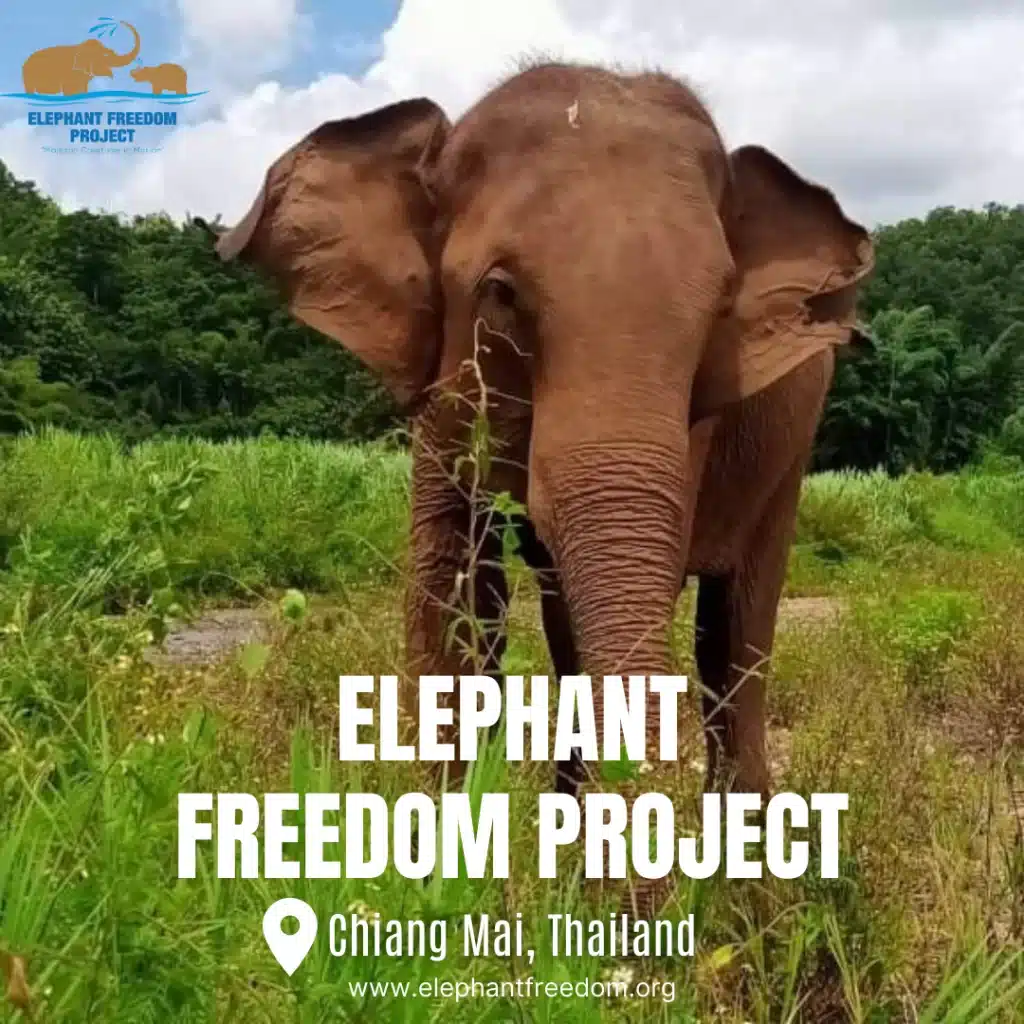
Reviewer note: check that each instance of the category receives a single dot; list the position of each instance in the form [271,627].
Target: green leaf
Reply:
[622,770]
[721,957]
[293,605]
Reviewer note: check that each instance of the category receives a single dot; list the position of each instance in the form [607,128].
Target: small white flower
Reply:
[622,975]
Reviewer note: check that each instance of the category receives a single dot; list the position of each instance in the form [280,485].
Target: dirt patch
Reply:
[209,637]
[806,611]
[216,634]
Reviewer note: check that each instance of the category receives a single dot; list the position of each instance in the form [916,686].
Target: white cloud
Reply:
[899,105]
[240,38]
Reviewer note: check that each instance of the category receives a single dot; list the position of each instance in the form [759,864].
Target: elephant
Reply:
[67,70]
[163,78]
[650,321]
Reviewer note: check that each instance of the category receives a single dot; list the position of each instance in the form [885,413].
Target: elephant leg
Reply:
[566,661]
[75,84]
[711,651]
[457,593]
[557,632]
[736,619]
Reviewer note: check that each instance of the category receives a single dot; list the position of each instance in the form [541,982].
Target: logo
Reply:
[57,83]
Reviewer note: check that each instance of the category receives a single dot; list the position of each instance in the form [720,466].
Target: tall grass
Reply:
[210,519]
[913,702]
[242,518]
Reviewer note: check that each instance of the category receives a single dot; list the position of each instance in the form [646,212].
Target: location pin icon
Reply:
[289,950]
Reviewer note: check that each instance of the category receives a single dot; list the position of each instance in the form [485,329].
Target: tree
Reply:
[154,335]
[26,402]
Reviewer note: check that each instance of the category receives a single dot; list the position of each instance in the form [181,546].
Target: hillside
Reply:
[133,327]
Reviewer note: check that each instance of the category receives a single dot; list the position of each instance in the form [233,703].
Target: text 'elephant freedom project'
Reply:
[405,836]
[103,126]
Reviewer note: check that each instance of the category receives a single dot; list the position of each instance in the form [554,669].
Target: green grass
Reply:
[912,701]
[208,519]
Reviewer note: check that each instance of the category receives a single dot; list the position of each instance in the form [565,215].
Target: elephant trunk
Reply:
[617,522]
[125,59]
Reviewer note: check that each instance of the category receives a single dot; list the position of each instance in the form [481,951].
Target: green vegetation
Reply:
[136,329]
[910,697]
[197,466]
[947,377]
[151,334]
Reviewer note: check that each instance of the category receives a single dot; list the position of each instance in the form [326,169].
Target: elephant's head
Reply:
[99,61]
[646,277]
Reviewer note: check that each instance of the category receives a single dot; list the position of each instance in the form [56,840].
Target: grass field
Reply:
[898,678]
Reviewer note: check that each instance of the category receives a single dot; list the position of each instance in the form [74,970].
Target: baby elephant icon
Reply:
[164,78]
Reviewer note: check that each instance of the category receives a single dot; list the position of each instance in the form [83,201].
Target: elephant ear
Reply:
[800,262]
[344,225]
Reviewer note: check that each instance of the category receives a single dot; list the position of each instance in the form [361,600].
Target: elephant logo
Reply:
[63,73]
[164,78]
[68,70]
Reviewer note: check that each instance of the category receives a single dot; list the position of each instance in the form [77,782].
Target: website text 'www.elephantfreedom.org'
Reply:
[519,989]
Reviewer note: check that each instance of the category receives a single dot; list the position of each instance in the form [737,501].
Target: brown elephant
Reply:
[652,321]
[67,70]
[163,78]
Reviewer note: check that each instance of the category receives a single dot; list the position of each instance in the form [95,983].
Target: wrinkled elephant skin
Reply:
[653,319]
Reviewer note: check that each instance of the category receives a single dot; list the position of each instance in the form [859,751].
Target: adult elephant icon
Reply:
[67,70]
[655,319]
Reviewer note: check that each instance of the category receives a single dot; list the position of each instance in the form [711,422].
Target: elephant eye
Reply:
[499,285]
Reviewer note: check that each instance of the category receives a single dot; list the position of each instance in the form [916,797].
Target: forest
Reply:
[132,327]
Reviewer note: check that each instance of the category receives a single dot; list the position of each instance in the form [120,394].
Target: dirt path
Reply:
[210,636]
[215,634]
[805,611]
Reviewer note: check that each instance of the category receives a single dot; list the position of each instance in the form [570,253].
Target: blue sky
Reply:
[898,106]
[344,38]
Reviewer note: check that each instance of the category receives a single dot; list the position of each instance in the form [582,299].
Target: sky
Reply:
[897,105]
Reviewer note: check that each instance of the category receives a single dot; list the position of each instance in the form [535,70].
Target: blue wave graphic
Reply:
[111,96]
